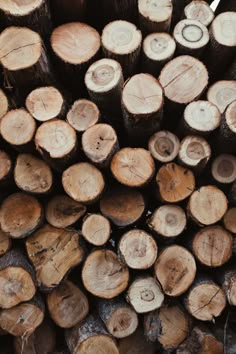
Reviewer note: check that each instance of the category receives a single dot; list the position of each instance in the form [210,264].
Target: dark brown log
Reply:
[222,93]
[64,11]
[178,10]
[199,10]
[133,167]
[83,115]
[227,136]
[5,168]
[119,9]
[136,344]
[83,182]
[175,269]
[5,243]
[223,168]
[4,104]
[104,275]
[96,229]
[230,220]
[164,146]
[232,193]
[53,252]
[224,6]
[119,318]
[67,305]
[20,215]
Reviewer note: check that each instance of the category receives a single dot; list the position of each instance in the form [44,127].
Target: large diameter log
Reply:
[200,11]
[230,220]
[20,215]
[96,229]
[5,243]
[175,269]
[207,205]
[222,93]
[5,168]
[164,146]
[53,252]
[227,133]
[223,168]
[104,275]
[227,279]
[136,344]
[67,305]
[83,115]
[64,11]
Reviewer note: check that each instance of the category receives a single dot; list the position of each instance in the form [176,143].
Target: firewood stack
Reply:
[117,177]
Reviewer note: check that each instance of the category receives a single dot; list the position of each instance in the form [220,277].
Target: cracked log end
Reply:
[83,115]
[96,229]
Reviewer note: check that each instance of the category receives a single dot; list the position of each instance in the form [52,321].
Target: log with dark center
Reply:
[200,11]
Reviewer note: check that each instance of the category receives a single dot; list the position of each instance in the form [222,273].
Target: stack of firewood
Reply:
[117,177]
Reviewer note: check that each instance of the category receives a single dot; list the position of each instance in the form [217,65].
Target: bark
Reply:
[96,229]
[199,10]
[227,134]
[5,243]
[178,10]
[83,115]
[119,9]
[225,6]
[232,193]
[164,146]
[65,11]
[136,344]
[223,169]
[4,104]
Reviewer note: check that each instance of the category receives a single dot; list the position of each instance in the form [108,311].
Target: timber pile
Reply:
[117,177]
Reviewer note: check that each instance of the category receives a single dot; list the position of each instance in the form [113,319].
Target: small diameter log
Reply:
[121,40]
[32,174]
[67,305]
[53,252]
[104,275]
[207,205]
[62,211]
[223,168]
[123,206]
[133,167]
[136,344]
[168,221]
[175,269]
[227,136]
[83,182]
[56,141]
[175,183]
[18,128]
[104,81]
[83,115]
[164,146]
[191,37]
[64,11]
[5,243]
[119,318]
[96,229]
[137,249]
[5,168]
[99,144]
[230,220]
[200,11]
[145,294]
[4,104]
[155,15]
[222,93]
[227,279]
[213,246]
[45,103]
[20,215]
[90,336]
[158,49]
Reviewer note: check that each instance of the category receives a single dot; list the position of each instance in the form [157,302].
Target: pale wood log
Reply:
[64,11]
[227,134]
[223,168]
[96,229]
[222,93]
[4,104]
[230,220]
[5,243]
[136,344]
[164,146]
[199,10]
[83,115]
[5,168]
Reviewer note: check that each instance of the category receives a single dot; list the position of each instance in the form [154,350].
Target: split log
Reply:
[222,93]
[137,249]
[53,252]
[104,275]
[5,243]
[133,167]
[91,337]
[83,182]
[175,269]
[20,215]
[32,174]
[223,168]
[119,318]
[164,146]
[200,11]
[158,49]
[142,102]
[213,246]
[227,133]
[4,104]
[45,103]
[67,305]
[96,229]
[64,11]
[155,16]
[5,168]
[175,183]
[62,211]
[123,206]
[227,279]
[99,144]
[191,37]
[136,344]
[121,40]
[145,294]
[178,10]
[83,115]
[230,220]
[207,205]
[225,6]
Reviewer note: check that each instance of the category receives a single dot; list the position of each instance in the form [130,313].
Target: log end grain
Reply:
[83,115]
[155,16]
[22,9]
[223,168]
[223,29]
[5,166]
[230,220]
[199,11]
[96,229]
[5,243]
[164,146]
[222,93]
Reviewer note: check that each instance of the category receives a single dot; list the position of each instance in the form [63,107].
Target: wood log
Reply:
[227,136]
[168,221]
[207,205]
[56,141]
[121,40]
[145,294]
[119,9]
[5,243]
[83,182]
[83,115]
[62,211]
[45,103]
[20,215]
[123,206]
[191,37]
[227,279]
[53,252]
[175,269]
[4,104]
[232,193]
[136,344]
[137,249]
[230,220]
[178,10]
[223,168]
[231,71]
[199,10]
[5,168]
[18,128]
[32,174]
[90,336]
[99,144]
[64,11]
[164,146]
[212,246]
[104,275]
[225,6]
[157,50]
[67,305]
[175,183]
[222,93]
[96,229]
[119,318]
[155,16]
[133,167]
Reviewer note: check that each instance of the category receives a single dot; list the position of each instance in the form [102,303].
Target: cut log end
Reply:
[230,220]
[4,105]
[223,168]
[96,229]
[22,9]
[83,115]
[5,243]
[5,166]
[164,146]
[230,116]
[199,11]
[221,29]
[222,93]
